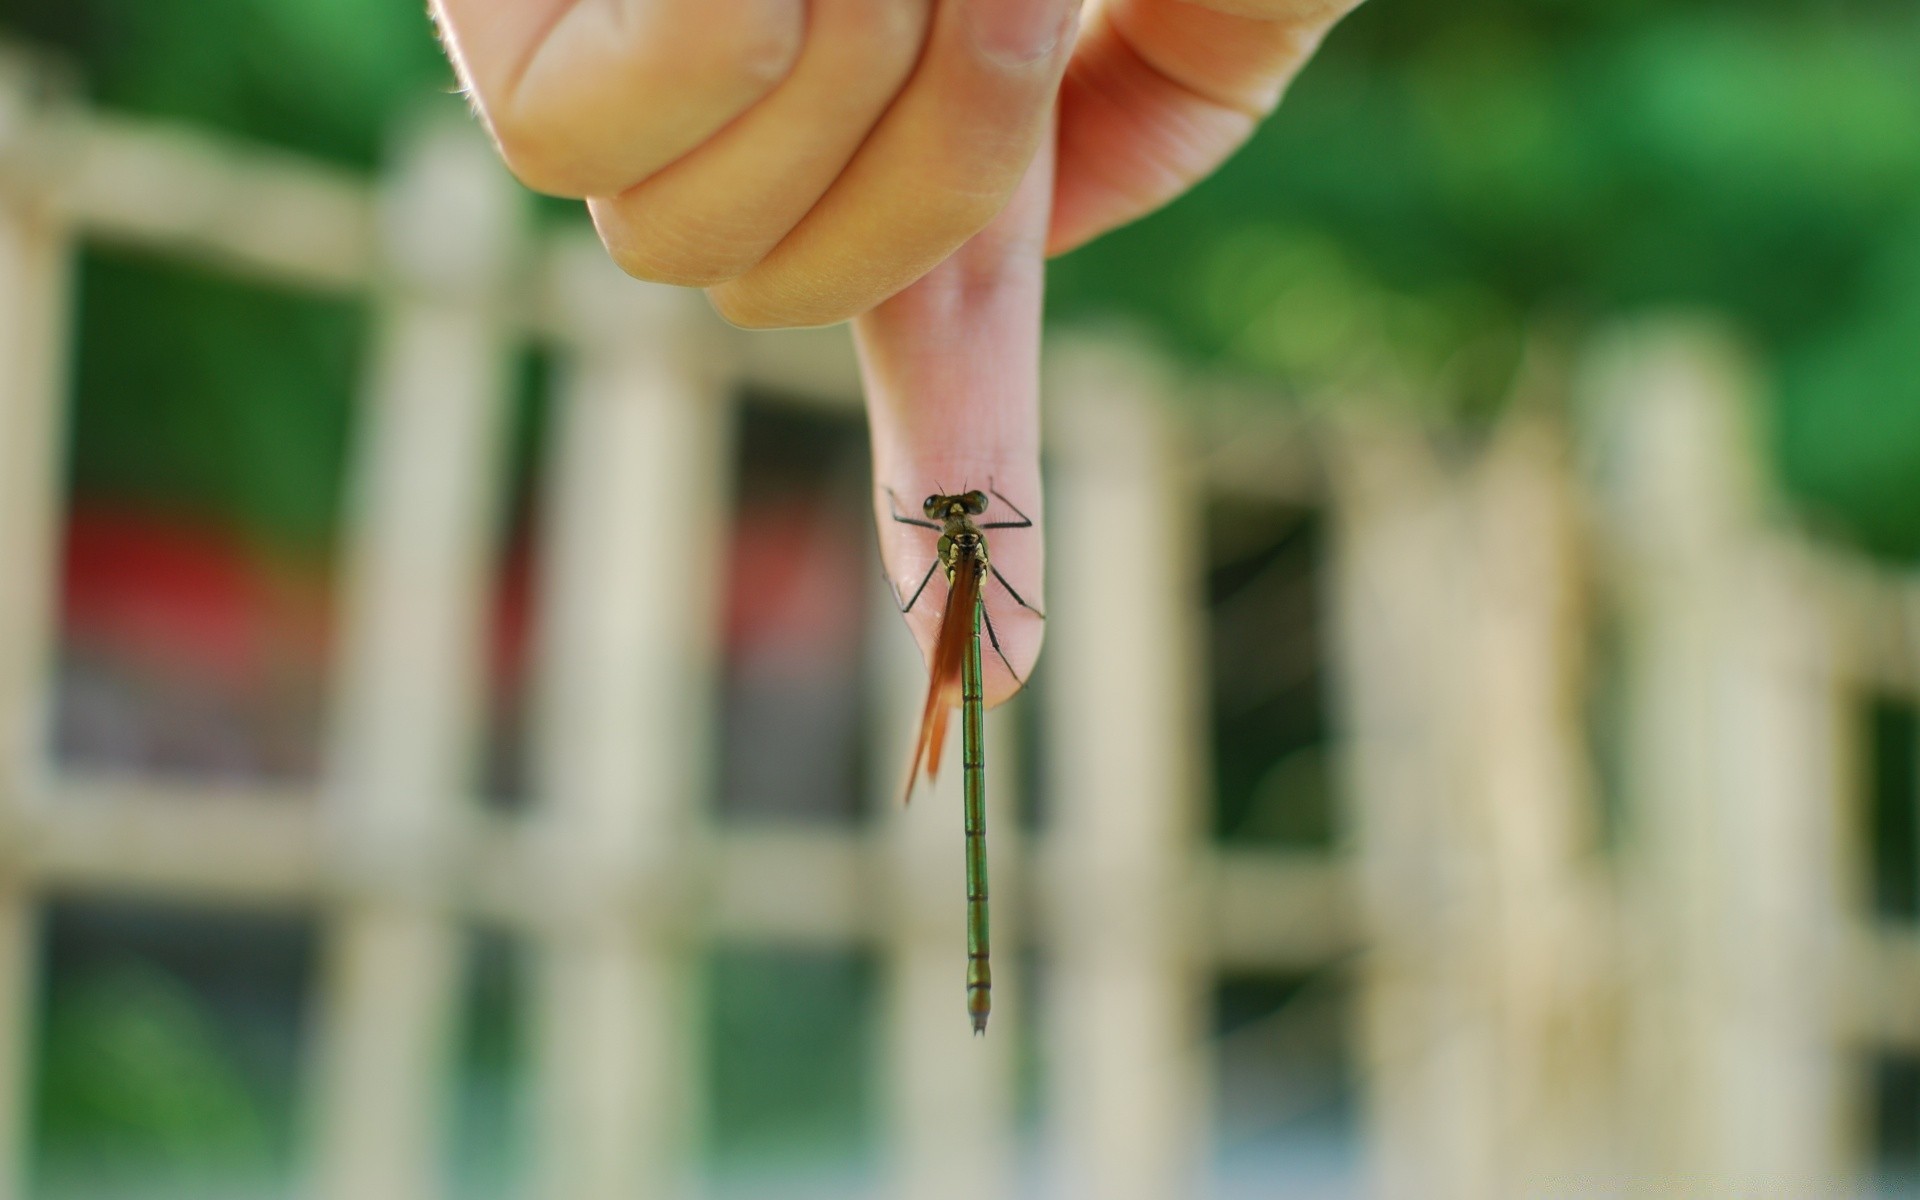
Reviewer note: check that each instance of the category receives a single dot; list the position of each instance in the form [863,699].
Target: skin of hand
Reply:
[806,159]
[905,163]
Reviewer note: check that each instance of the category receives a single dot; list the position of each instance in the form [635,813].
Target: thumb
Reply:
[952,373]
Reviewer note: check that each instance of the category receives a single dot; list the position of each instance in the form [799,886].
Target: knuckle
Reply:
[889,33]
[529,145]
[746,303]
[768,40]
[644,262]
[657,263]
[556,127]
[743,307]
[674,247]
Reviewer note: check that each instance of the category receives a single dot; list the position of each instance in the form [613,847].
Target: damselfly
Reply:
[961,554]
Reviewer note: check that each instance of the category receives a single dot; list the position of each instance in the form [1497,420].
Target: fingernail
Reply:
[1019,32]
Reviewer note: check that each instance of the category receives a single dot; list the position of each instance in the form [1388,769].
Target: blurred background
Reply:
[453,720]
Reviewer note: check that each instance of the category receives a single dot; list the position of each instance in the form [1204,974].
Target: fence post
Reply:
[425,493]
[951,1095]
[1459,641]
[635,528]
[1733,780]
[1126,992]
[36,262]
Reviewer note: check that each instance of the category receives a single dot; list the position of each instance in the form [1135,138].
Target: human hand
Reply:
[1159,93]
[807,162]
[801,159]
[805,159]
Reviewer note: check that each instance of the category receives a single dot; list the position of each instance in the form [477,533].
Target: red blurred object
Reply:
[187,647]
[794,585]
[190,601]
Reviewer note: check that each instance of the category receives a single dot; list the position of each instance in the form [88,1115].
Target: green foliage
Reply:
[1441,179]
[1270,764]
[792,1059]
[140,1082]
[1848,433]
[321,76]
[1892,763]
[486,1140]
[214,399]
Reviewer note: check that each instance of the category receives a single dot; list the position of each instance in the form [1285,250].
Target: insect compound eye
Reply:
[931,506]
[975,501]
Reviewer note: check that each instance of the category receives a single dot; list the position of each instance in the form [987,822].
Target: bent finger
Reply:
[935,170]
[586,97]
[713,214]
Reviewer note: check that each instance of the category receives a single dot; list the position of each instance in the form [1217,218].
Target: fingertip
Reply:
[1003,685]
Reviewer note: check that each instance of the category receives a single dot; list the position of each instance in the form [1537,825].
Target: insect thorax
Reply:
[962,539]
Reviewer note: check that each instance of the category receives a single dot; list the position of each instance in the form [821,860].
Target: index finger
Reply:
[952,373]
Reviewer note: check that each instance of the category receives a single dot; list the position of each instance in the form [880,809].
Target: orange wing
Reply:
[943,688]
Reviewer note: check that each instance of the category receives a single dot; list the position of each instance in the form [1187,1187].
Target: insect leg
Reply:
[893,506]
[995,639]
[915,598]
[1017,597]
[1025,522]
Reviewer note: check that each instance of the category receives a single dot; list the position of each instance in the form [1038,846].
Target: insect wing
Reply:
[943,687]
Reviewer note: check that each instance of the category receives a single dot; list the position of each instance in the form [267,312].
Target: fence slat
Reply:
[36,253]
[1272,911]
[425,489]
[624,729]
[1735,780]
[1123,710]
[1458,647]
[257,212]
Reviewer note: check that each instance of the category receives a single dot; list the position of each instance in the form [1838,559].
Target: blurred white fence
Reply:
[1538,1016]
